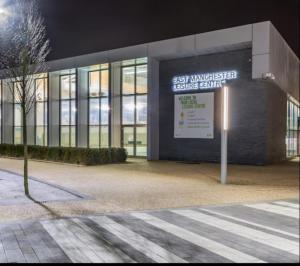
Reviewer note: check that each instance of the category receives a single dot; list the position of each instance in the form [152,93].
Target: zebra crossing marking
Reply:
[108,254]
[275,209]
[137,241]
[252,223]
[214,247]
[247,232]
[287,204]
[65,240]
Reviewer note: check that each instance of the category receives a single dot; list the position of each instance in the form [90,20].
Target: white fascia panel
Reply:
[261,38]
[173,47]
[224,38]
[260,65]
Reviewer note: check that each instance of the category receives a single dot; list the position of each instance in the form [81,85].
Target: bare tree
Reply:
[23,51]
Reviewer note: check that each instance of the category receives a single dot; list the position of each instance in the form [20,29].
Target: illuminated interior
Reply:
[68,109]
[134,106]
[99,107]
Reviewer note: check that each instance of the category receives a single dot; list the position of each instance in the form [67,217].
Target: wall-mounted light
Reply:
[268,76]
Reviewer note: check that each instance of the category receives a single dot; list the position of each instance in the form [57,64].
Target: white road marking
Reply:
[64,239]
[287,204]
[137,241]
[247,232]
[212,246]
[252,223]
[275,209]
[105,253]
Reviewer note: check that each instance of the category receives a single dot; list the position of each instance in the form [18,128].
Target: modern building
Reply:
[162,100]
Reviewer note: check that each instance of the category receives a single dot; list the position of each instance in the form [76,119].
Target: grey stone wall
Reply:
[257,116]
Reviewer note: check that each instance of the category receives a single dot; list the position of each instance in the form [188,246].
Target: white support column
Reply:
[82,111]
[53,123]
[224,135]
[115,81]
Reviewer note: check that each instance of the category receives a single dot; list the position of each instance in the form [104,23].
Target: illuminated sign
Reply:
[202,81]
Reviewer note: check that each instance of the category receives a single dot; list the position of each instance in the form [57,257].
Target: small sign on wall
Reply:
[194,115]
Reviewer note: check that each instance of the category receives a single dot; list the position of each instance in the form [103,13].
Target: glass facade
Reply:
[17,115]
[134,90]
[41,110]
[292,136]
[99,107]
[67,126]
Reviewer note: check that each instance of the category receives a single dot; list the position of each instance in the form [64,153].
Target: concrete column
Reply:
[53,123]
[153,109]
[115,104]
[82,111]
[7,115]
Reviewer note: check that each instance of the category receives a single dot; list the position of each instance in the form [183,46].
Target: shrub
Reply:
[82,156]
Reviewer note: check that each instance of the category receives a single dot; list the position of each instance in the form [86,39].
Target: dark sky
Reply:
[83,26]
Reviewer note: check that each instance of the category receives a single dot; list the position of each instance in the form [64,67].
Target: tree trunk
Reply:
[26,186]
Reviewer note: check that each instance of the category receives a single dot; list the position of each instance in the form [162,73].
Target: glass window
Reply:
[40,135]
[73,136]
[128,79]
[292,136]
[40,116]
[141,79]
[65,87]
[128,140]
[128,110]
[99,109]
[94,112]
[104,82]
[134,106]
[68,110]
[141,109]
[94,137]
[41,110]
[65,113]
[40,90]
[128,62]
[18,115]
[94,84]
[104,111]
[18,135]
[65,136]
[104,136]
[73,86]
[141,141]
[73,112]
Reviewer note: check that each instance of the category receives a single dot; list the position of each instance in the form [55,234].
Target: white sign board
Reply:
[194,116]
[202,81]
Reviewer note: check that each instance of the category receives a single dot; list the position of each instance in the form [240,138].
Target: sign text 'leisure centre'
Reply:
[202,81]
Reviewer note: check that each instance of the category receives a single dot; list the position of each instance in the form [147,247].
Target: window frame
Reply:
[45,102]
[135,125]
[69,100]
[21,127]
[99,99]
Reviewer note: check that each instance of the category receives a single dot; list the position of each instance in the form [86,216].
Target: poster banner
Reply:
[194,116]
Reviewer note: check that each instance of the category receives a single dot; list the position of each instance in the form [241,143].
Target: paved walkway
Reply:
[12,191]
[257,232]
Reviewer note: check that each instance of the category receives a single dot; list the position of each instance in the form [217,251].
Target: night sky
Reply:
[84,26]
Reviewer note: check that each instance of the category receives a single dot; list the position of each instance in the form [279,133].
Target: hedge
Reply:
[83,156]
